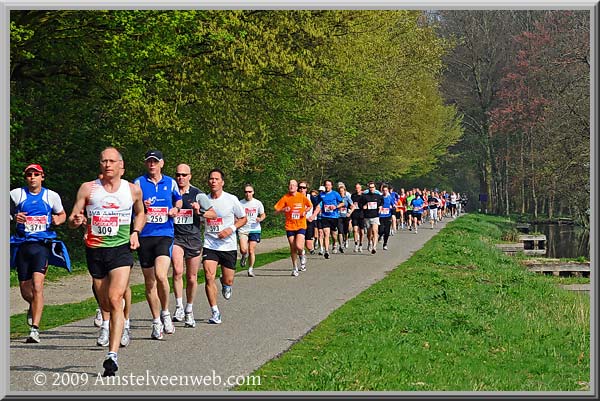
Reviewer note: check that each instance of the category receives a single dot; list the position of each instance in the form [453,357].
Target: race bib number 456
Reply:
[157,215]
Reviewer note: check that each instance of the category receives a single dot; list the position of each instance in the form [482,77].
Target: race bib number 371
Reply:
[34,224]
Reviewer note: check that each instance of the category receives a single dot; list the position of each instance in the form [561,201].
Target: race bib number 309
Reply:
[105,225]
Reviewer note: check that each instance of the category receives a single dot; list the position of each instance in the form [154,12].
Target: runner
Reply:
[163,201]
[220,241]
[432,205]
[344,219]
[417,210]
[295,206]
[356,215]
[319,222]
[35,209]
[409,208]
[187,245]
[106,207]
[385,216]
[372,202]
[313,223]
[331,201]
[250,233]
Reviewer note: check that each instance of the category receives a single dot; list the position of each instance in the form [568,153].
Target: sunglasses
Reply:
[248,192]
[302,187]
[181,174]
[32,174]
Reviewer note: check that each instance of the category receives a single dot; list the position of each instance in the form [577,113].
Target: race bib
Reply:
[185,216]
[330,208]
[372,205]
[251,213]
[105,225]
[385,210]
[35,224]
[343,210]
[157,215]
[214,225]
[295,215]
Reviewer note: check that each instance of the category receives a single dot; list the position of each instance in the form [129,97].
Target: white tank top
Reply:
[109,216]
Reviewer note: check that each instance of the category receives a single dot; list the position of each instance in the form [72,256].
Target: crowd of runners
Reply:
[170,222]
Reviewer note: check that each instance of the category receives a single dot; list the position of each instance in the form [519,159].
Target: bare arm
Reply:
[139,216]
[77,217]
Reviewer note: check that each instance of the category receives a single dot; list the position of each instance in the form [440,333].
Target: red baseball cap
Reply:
[35,167]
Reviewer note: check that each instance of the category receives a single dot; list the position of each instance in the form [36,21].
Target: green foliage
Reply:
[264,95]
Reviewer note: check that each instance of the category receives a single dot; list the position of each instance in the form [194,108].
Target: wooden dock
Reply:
[516,247]
[537,242]
[558,268]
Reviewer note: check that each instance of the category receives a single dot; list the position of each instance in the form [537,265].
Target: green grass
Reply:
[58,315]
[79,266]
[457,316]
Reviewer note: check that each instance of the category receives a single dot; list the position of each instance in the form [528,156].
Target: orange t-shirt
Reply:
[295,218]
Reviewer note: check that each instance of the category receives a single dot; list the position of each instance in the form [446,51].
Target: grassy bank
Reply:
[457,316]
[58,315]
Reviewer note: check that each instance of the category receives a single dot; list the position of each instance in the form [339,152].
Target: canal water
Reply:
[564,240]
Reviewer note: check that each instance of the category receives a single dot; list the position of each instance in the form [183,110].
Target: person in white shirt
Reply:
[220,241]
[249,234]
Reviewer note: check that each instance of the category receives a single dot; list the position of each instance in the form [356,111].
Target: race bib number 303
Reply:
[34,224]
[214,225]
[157,215]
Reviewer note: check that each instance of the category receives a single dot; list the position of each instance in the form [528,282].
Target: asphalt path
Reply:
[265,316]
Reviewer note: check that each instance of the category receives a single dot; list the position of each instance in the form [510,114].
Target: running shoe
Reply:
[250,272]
[312,251]
[302,262]
[385,248]
[30,316]
[346,244]
[243,260]
[157,331]
[189,320]
[102,337]
[295,273]
[320,251]
[416,230]
[110,367]
[125,337]
[98,318]
[167,323]
[356,248]
[360,249]
[369,248]
[226,291]
[335,250]
[216,318]
[34,336]
[179,314]
[341,250]
[326,255]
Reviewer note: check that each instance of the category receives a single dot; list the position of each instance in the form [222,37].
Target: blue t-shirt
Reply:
[386,208]
[329,204]
[162,197]
[417,205]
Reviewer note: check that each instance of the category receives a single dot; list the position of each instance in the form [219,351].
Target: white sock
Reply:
[214,308]
[179,302]
[105,324]
[157,320]
[164,313]
[188,308]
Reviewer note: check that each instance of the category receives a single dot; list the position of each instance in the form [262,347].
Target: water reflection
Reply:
[565,241]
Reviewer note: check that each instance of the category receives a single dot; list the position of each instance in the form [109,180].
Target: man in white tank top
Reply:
[106,206]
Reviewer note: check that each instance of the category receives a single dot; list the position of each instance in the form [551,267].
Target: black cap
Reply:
[155,154]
